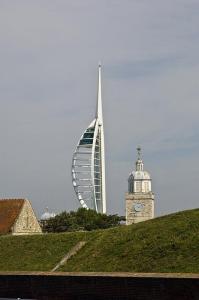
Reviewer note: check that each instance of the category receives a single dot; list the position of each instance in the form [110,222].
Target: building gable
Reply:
[26,222]
[9,211]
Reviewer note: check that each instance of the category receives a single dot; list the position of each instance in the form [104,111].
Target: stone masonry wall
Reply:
[26,222]
[147,200]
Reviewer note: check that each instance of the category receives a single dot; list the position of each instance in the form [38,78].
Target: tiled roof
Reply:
[9,211]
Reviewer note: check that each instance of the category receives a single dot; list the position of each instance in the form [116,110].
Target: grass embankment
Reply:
[166,244]
[36,252]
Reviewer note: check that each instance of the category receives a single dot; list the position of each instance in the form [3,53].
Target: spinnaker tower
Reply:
[88,163]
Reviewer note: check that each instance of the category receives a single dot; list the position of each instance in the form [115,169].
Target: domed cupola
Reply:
[47,215]
[139,180]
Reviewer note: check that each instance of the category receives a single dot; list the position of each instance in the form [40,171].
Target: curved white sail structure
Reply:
[88,164]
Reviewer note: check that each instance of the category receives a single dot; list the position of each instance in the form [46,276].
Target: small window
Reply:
[138,186]
[146,187]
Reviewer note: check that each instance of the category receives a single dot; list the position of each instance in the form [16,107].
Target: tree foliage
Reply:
[82,219]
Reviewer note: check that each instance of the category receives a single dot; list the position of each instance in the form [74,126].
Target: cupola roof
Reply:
[47,215]
[139,172]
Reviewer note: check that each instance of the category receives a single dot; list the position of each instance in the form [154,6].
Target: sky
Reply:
[49,54]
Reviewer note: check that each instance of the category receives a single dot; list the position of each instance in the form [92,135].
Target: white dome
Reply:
[47,215]
[144,175]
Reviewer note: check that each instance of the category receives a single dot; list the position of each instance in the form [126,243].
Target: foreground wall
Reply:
[96,286]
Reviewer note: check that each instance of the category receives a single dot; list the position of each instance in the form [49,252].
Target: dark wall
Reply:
[98,286]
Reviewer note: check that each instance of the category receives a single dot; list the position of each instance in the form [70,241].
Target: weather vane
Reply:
[139,152]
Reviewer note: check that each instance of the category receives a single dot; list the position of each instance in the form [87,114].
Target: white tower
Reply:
[139,199]
[88,164]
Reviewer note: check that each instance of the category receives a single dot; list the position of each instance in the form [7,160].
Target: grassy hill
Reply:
[165,244]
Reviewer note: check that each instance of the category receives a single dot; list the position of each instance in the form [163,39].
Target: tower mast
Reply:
[99,97]
[99,117]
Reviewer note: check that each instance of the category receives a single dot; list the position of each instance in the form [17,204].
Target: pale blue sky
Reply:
[49,52]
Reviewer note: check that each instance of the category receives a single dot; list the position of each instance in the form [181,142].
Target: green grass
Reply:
[36,252]
[165,244]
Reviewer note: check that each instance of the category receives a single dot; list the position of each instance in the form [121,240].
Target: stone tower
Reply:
[139,199]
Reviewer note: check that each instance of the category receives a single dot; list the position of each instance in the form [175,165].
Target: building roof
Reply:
[139,175]
[9,211]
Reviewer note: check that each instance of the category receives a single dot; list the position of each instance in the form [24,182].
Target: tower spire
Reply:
[139,163]
[99,97]
[139,152]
